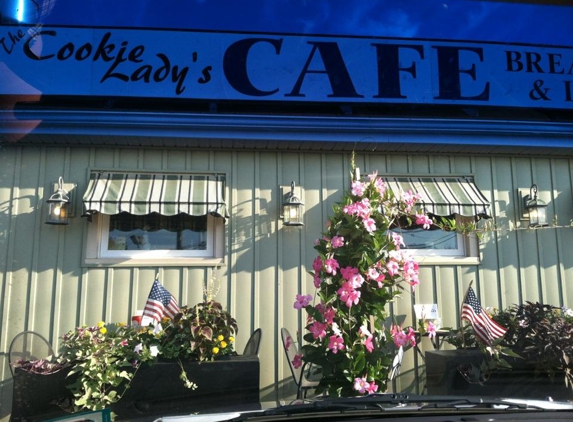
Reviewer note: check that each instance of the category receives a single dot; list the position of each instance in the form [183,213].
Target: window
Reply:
[434,244]
[146,218]
[139,235]
[450,197]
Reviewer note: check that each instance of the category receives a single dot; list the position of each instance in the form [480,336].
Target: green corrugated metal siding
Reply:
[45,287]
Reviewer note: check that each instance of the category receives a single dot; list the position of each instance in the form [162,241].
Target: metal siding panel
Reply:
[563,205]
[507,247]
[447,294]
[547,239]
[9,162]
[118,295]
[244,242]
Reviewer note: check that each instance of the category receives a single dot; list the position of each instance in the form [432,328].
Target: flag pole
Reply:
[461,312]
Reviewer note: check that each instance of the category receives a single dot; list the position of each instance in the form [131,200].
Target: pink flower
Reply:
[401,338]
[363,386]
[411,336]
[348,294]
[373,176]
[424,221]
[368,344]
[329,315]
[372,388]
[380,186]
[363,208]
[331,265]
[360,385]
[398,240]
[358,188]
[373,273]
[317,280]
[392,267]
[431,329]
[410,199]
[369,225]
[297,361]
[318,330]
[302,301]
[356,280]
[411,272]
[335,344]
[317,264]
[337,242]
[349,272]
[288,342]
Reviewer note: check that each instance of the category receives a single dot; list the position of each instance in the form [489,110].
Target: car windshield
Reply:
[265,209]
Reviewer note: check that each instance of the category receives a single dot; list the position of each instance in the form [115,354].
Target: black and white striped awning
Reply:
[443,196]
[111,193]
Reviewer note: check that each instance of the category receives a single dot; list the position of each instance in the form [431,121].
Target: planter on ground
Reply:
[444,378]
[231,383]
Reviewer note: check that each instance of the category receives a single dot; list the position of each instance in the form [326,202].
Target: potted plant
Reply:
[360,268]
[534,358]
[115,365]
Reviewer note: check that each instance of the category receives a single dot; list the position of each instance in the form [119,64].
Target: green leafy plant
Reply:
[203,332]
[103,360]
[538,334]
[361,267]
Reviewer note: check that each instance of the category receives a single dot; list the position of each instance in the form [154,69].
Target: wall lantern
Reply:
[58,205]
[292,207]
[535,208]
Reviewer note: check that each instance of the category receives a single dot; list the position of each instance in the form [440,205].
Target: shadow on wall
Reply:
[6,389]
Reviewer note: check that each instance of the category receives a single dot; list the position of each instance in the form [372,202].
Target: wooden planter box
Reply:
[231,383]
[443,378]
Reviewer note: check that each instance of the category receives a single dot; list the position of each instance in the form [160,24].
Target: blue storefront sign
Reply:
[240,66]
[439,53]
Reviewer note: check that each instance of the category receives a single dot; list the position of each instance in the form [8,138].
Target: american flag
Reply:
[485,328]
[160,303]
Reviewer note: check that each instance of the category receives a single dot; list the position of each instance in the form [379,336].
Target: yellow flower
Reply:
[220,337]
[231,339]
[103,330]
[223,344]
[121,324]
[100,324]
[215,350]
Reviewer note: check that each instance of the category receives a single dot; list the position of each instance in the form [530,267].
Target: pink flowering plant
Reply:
[361,266]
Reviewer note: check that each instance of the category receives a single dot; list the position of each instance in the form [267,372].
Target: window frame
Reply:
[98,234]
[105,252]
[469,243]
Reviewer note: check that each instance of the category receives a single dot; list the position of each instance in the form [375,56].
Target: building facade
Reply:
[256,114]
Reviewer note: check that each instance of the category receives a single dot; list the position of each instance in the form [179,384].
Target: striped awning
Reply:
[145,193]
[444,196]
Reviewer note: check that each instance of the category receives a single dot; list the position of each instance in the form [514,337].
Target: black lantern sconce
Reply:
[292,207]
[59,205]
[535,208]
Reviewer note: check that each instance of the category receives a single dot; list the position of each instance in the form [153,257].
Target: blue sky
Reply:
[468,20]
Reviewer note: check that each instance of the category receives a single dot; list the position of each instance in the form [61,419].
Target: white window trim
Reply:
[104,252]
[96,252]
[468,246]
[472,256]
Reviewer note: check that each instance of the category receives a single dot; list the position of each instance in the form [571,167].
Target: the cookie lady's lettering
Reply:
[116,54]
